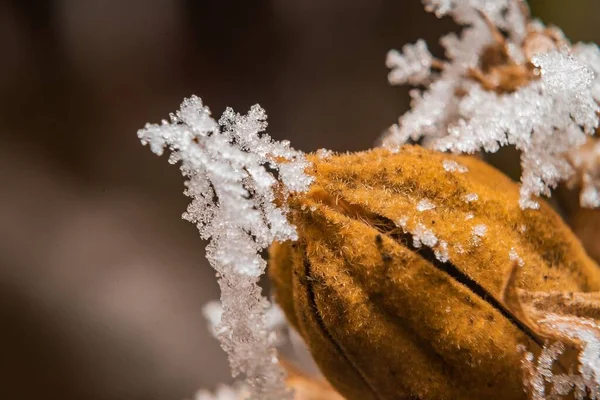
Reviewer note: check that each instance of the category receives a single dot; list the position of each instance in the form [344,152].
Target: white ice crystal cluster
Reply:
[231,169]
[223,392]
[413,65]
[546,119]
[544,383]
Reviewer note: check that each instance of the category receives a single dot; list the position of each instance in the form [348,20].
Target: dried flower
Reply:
[385,301]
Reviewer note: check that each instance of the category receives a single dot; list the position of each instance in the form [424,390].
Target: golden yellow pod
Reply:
[397,280]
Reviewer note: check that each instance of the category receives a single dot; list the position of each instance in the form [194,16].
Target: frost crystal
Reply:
[275,321]
[464,108]
[229,168]
[479,230]
[424,235]
[425,205]
[514,256]
[471,197]
[542,383]
[451,166]
[441,251]
[222,393]
[402,222]
[412,66]
[324,153]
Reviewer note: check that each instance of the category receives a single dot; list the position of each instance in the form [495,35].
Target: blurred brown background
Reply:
[101,283]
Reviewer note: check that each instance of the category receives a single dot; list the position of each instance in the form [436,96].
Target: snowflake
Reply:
[229,168]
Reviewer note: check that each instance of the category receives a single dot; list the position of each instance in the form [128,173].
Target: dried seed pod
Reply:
[396,283]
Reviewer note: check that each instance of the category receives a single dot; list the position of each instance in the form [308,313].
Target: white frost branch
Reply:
[584,383]
[546,119]
[412,66]
[232,193]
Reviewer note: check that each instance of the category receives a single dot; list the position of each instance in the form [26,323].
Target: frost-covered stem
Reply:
[548,115]
[233,206]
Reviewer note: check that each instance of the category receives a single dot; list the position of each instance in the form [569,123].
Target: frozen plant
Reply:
[230,169]
[528,88]
[222,393]
[540,380]
[506,80]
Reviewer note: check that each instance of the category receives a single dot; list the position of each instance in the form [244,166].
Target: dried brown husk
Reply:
[384,320]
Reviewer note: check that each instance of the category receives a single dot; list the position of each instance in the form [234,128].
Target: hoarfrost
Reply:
[275,321]
[412,66]
[423,235]
[222,392]
[451,166]
[232,193]
[514,256]
[471,197]
[324,153]
[441,251]
[479,230]
[402,222]
[545,118]
[540,380]
[424,205]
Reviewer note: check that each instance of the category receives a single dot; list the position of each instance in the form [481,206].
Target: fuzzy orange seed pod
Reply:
[389,318]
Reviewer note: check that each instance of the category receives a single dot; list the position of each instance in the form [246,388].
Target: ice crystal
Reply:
[538,374]
[479,230]
[423,235]
[275,321]
[402,222]
[424,205]
[222,392]
[230,170]
[471,197]
[412,66]
[545,118]
[514,256]
[542,383]
[451,166]
[441,251]
[324,153]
